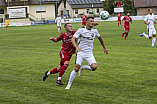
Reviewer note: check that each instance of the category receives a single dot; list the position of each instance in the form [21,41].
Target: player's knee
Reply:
[66,62]
[58,68]
[94,68]
[77,67]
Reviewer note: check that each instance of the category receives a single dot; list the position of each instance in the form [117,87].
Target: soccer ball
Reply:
[104,15]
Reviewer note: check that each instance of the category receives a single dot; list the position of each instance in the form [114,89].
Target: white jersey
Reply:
[151,19]
[86,38]
[58,19]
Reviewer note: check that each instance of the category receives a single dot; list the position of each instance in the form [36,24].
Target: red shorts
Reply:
[127,28]
[84,23]
[64,57]
[119,19]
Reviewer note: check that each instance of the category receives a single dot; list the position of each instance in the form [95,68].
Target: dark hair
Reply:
[89,18]
[148,9]
[66,24]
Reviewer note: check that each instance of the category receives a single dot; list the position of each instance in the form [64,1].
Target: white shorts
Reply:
[59,24]
[80,57]
[151,31]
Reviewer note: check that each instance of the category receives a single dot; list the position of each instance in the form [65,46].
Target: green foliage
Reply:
[128,6]
[127,75]
[96,15]
[108,6]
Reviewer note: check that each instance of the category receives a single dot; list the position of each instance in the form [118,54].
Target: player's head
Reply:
[90,21]
[68,27]
[57,15]
[128,14]
[150,11]
[83,13]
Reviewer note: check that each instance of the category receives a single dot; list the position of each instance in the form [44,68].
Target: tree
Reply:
[108,6]
[128,6]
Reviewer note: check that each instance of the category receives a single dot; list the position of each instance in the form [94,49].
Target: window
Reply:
[1,11]
[68,12]
[87,10]
[97,10]
[40,9]
[147,2]
[76,11]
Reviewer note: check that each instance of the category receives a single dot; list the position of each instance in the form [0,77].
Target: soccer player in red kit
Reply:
[83,17]
[67,50]
[119,18]
[126,20]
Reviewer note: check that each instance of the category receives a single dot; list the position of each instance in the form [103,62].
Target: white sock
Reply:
[48,73]
[59,78]
[86,67]
[146,36]
[153,41]
[58,29]
[72,77]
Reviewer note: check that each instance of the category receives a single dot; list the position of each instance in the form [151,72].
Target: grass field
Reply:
[127,75]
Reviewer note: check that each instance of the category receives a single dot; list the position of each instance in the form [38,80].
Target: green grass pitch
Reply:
[127,75]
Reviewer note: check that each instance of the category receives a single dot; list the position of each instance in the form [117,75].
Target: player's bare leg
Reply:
[6,27]
[72,76]
[91,67]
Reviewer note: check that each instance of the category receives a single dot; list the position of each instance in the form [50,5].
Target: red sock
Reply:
[126,35]
[54,71]
[123,34]
[118,23]
[62,70]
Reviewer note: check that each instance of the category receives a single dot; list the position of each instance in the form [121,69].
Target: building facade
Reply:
[143,5]
[29,9]
[72,8]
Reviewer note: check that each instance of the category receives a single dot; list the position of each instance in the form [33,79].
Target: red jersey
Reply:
[83,18]
[67,46]
[119,15]
[127,20]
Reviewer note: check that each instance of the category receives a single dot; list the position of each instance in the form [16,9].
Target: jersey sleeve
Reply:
[60,37]
[78,33]
[146,18]
[124,18]
[97,34]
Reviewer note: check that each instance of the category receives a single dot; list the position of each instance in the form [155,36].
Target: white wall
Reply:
[49,14]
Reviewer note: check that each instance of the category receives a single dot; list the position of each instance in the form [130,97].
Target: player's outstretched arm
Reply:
[73,40]
[146,22]
[102,43]
[53,39]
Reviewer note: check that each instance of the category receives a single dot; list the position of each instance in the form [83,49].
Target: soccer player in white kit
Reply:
[150,21]
[86,37]
[58,20]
